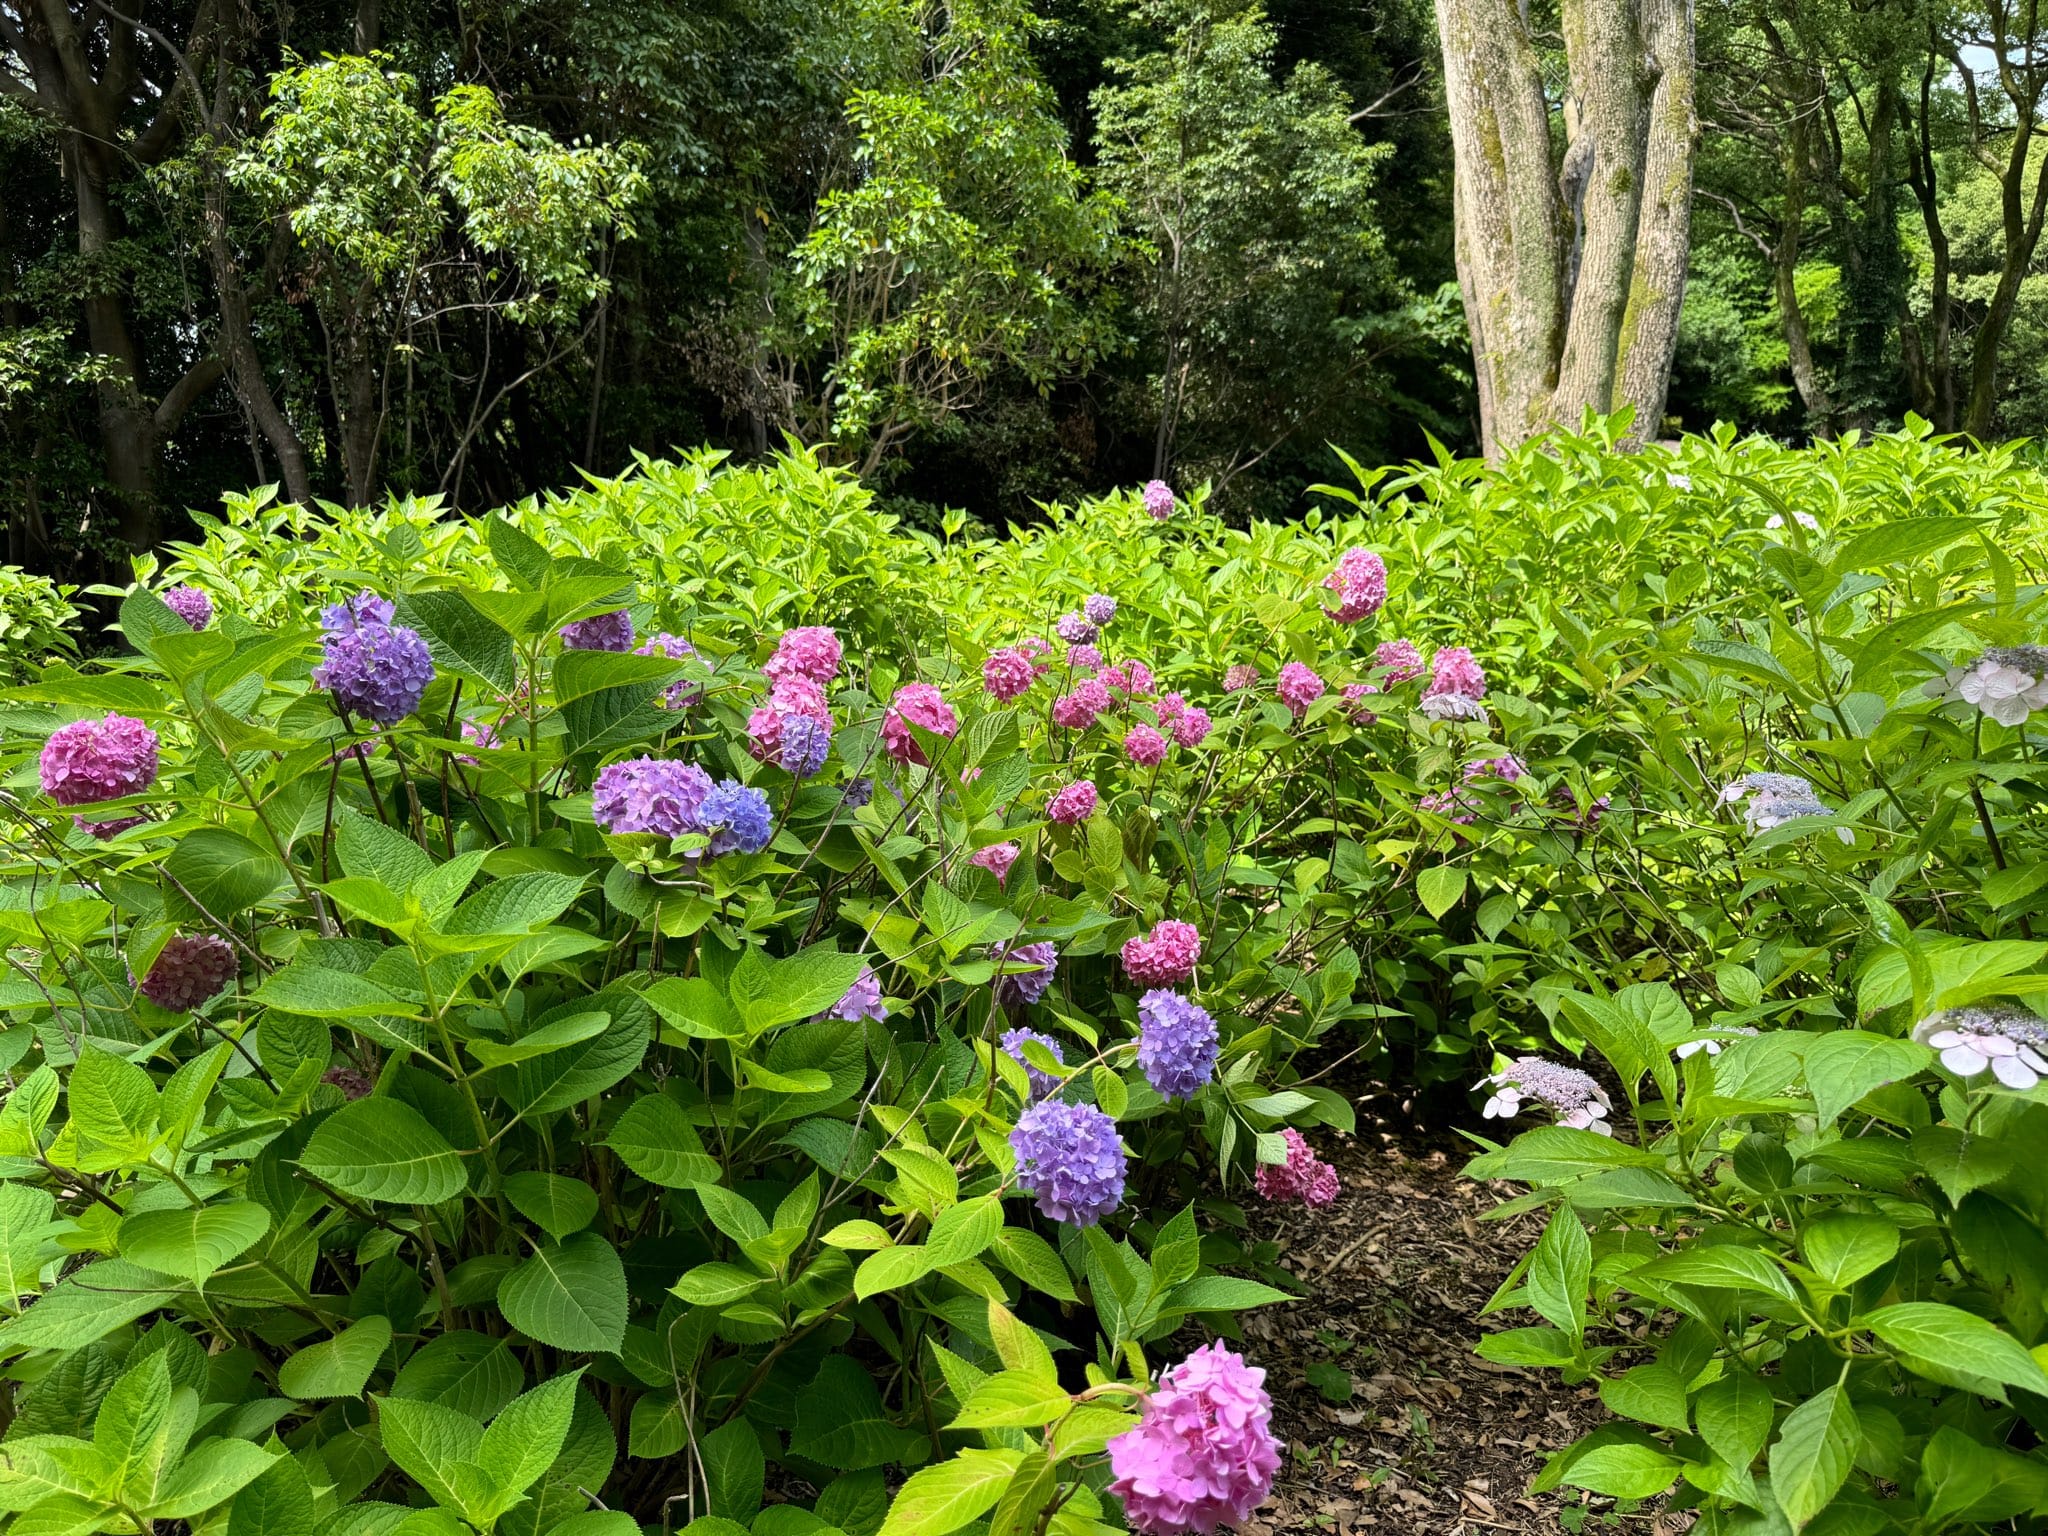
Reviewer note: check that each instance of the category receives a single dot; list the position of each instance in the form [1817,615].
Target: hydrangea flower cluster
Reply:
[1771,799]
[1077,710]
[1580,1102]
[1075,629]
[996,859]
[1399,660]
[651,794]
[811,650]
[2012,1042]
[1357,711]
[1043,1084]
[1008,673]
[1299,687]
[1304,1176]
[89,761]
[1099,609]
[806,743]
[1165,958]
[1776,520]
[1191,727]
[676,695]
[191,605]
[1084,658]
[189,971]
[1024,972]
[1240,677]
[600,632]
[1133,679]
[1070,1160]
[1073,804]
[1159,500]
[862,1000]
[922,705]
[372,667]
[1360,582]
[1177,1044]
[1456,685]
[1203,1454]
[2007,683]
[737,819]
[1145,747]
[790,697]
[366,610]
[858,792]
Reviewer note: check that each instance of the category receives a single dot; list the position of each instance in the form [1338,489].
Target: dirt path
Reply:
[1393,1425]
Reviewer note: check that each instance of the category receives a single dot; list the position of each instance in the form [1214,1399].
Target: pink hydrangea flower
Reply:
[1074,804]
[92,760]
[1159,500]
[1133,678]
[1360,582]
[812,651]
[1453,671]
[1168,708]
[1355,695]
[1399,660]
[1084,658]
[1299,687]
[1304,1176]
[1038,652]
[918,704]
[1191,727]
[1204,1454]
[1008,673]
[792,695]
[997,859]
[1145,746]
[1167,957]
[1240,677]
[1076,711]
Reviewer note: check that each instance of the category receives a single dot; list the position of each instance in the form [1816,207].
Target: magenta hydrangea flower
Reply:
[191,605]
[1177,1044]
[1398,659]
[1299,687]
[862,1000]
[1204,1454]
[1076,711]
[1355,695]
[1360,582]
[1008,673]
[918,704]
[1073,804]
[1070,1160]
[1159,500]
[1043,1084]
[89,761]
[996,859]
[1132,678]
[792,696]
[1084,658]
[1145,746]
[651,794]
[1165,958]
[1240,677]
[365,610]
[1453,671]
[1191,727]
[677,695]
[189,970]
[1099,609]
[1168,707]
[1024,972]
[113,826]
[482,736]
[600,632]
[378,671]
[812,651]
[1304,1176]
[1038,651]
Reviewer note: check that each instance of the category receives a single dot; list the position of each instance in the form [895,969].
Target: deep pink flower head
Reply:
[792,695]
[1299,687]
[1240,677]
[1073,805]
[1204,1454]
[1168,707]
[1453,670]
[1145,746]
[1159,500]
[1304,1176]
[92,760]
[918,704]
[812,651]
[1508,769]
[1076,711]
[1399,659]
[189,970]
[1167,957]
[1191,727]
[191,605]
[1360,582]
[997,859]
[1008,673]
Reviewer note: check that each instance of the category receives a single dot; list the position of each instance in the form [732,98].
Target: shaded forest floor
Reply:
[1392,1424]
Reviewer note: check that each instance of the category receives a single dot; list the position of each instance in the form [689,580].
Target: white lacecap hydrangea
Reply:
[1452,706]
[2012,1042]
[1711,1044]
[1771,799]
[1805,520]
[1580,1102]
[2007,682]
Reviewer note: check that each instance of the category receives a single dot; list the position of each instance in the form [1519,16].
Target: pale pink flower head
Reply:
[1398,659]
[1240,677]
[1037,651]
[1008,673]
[1360,582]
[1204,1454]
[1453,671]
[1073,804]
[1191,727]
[1145,746]
[1159,500]
[996,859]
[812,651]
[92,760]
[1084,658]
[1299,687]
[1304,1176]
[918,704]
[1165,958]
[792,695]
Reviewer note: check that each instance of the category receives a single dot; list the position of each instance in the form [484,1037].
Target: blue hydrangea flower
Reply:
[858,793]
[363,610]
[650,794]
[863,1000]
[1099,609]
[1177,1043]
[806,742]
[1043,1084]
[378,671]
[1070,1160]
[601,632]
[737,818]
[1024,972]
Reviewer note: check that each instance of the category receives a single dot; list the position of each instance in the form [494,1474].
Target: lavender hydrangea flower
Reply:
[600,632]
[1075,630]
[364,610]
[1772,799]
[858,792]
[189,970]
[1452,706]
[378,671]
[1024,972]
[806,743]
[1204,1454]
[89,761]
[2012,1042]
[651,794]
[862,1000]
[1099,609]
[2006,683]
[1084,658]
[1159,502]
[191,605]
[1177,1044]
[1070,1160]
[1580,1101]
[676,695]
[737,819]
[1043,1084]
[113,826]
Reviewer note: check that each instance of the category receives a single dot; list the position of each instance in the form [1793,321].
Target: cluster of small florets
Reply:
[1076,629]
[1070,1161]
[1084,658]
[791,696]
[1024,972]
[88,761]
[736,818]
[1188,725]
[2010,1041]
[1399,660]
[996,859]
[1360,582]
[669,798]
[1159,500]
[1772,799]
[1099,608]
[921,705]
[1240,677]
[1165,958]
[806,743]
[372,667]
[1298,686]
[600,632]
[191,605]
[1043,1084]
[858,792]
[1177,1044]
[1203,1454]
[1073,804]
[1776,520]
[811,650]
[1456,685]
[676,695]
[862,1000]
[1131,679]
[1008,673]
[190,970]
[1580,1102]
[1145,747]
[1304,1176]
[1077,710]
[2007,683]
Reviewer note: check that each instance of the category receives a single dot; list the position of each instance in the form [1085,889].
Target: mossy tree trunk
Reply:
[1572,265]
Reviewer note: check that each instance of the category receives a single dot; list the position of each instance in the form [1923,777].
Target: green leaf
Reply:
[1963,1480]
[964,1231]
[133,1429]
[587,1068]
[571,1297]
[735,1468]
[554,1036]
[1815,1450]
[1718,1266]
[552,1202]
[195,1243]
[840,1420]
[472,1373]
[337,1367]
[1440,886]
[460,638]
[1960,1161]
[85,1307]
[1559,1272]
[1842,1067]
[891,1269]
[524,1440]
[1895,541]
[207,1478]
[277,1503]
[1843,1249]
[225,873]
[940,1499]
[320,992]
[1221,1293]
[1034,1261]
[113,1103]
[717,1284]
[1929,1331]
[430,1444]
[1651,1393]
[382,1149]
[655,1139]
[25,1239]
[376,852]
[1734,1416]
[1013,1400]
[1622,1469]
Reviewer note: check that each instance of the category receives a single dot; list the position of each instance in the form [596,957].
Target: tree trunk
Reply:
[1813,394]
[1573,272]
[2022,227]
[1930,359]
[238,341]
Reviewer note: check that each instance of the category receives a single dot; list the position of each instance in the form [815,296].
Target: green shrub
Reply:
[37,622]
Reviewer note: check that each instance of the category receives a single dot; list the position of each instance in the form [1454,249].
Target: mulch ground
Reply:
[1392,1424]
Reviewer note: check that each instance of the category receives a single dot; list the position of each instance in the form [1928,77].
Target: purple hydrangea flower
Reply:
[677,695]
[600,632]
[189,970]
[113,826]
[1772,799]
[89,761]
[1070,1160]
[1043,1084]
[1023,972]
[378,671]
[858,792]
[1204,1454]
[863,1000]
[806,743]
[1159,500]
[737,818]
[1099,609]
[1579,1100]
[364,610]
[1075,630]
[1177,1044]
[1084,658]
[191,605]
[651,794]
